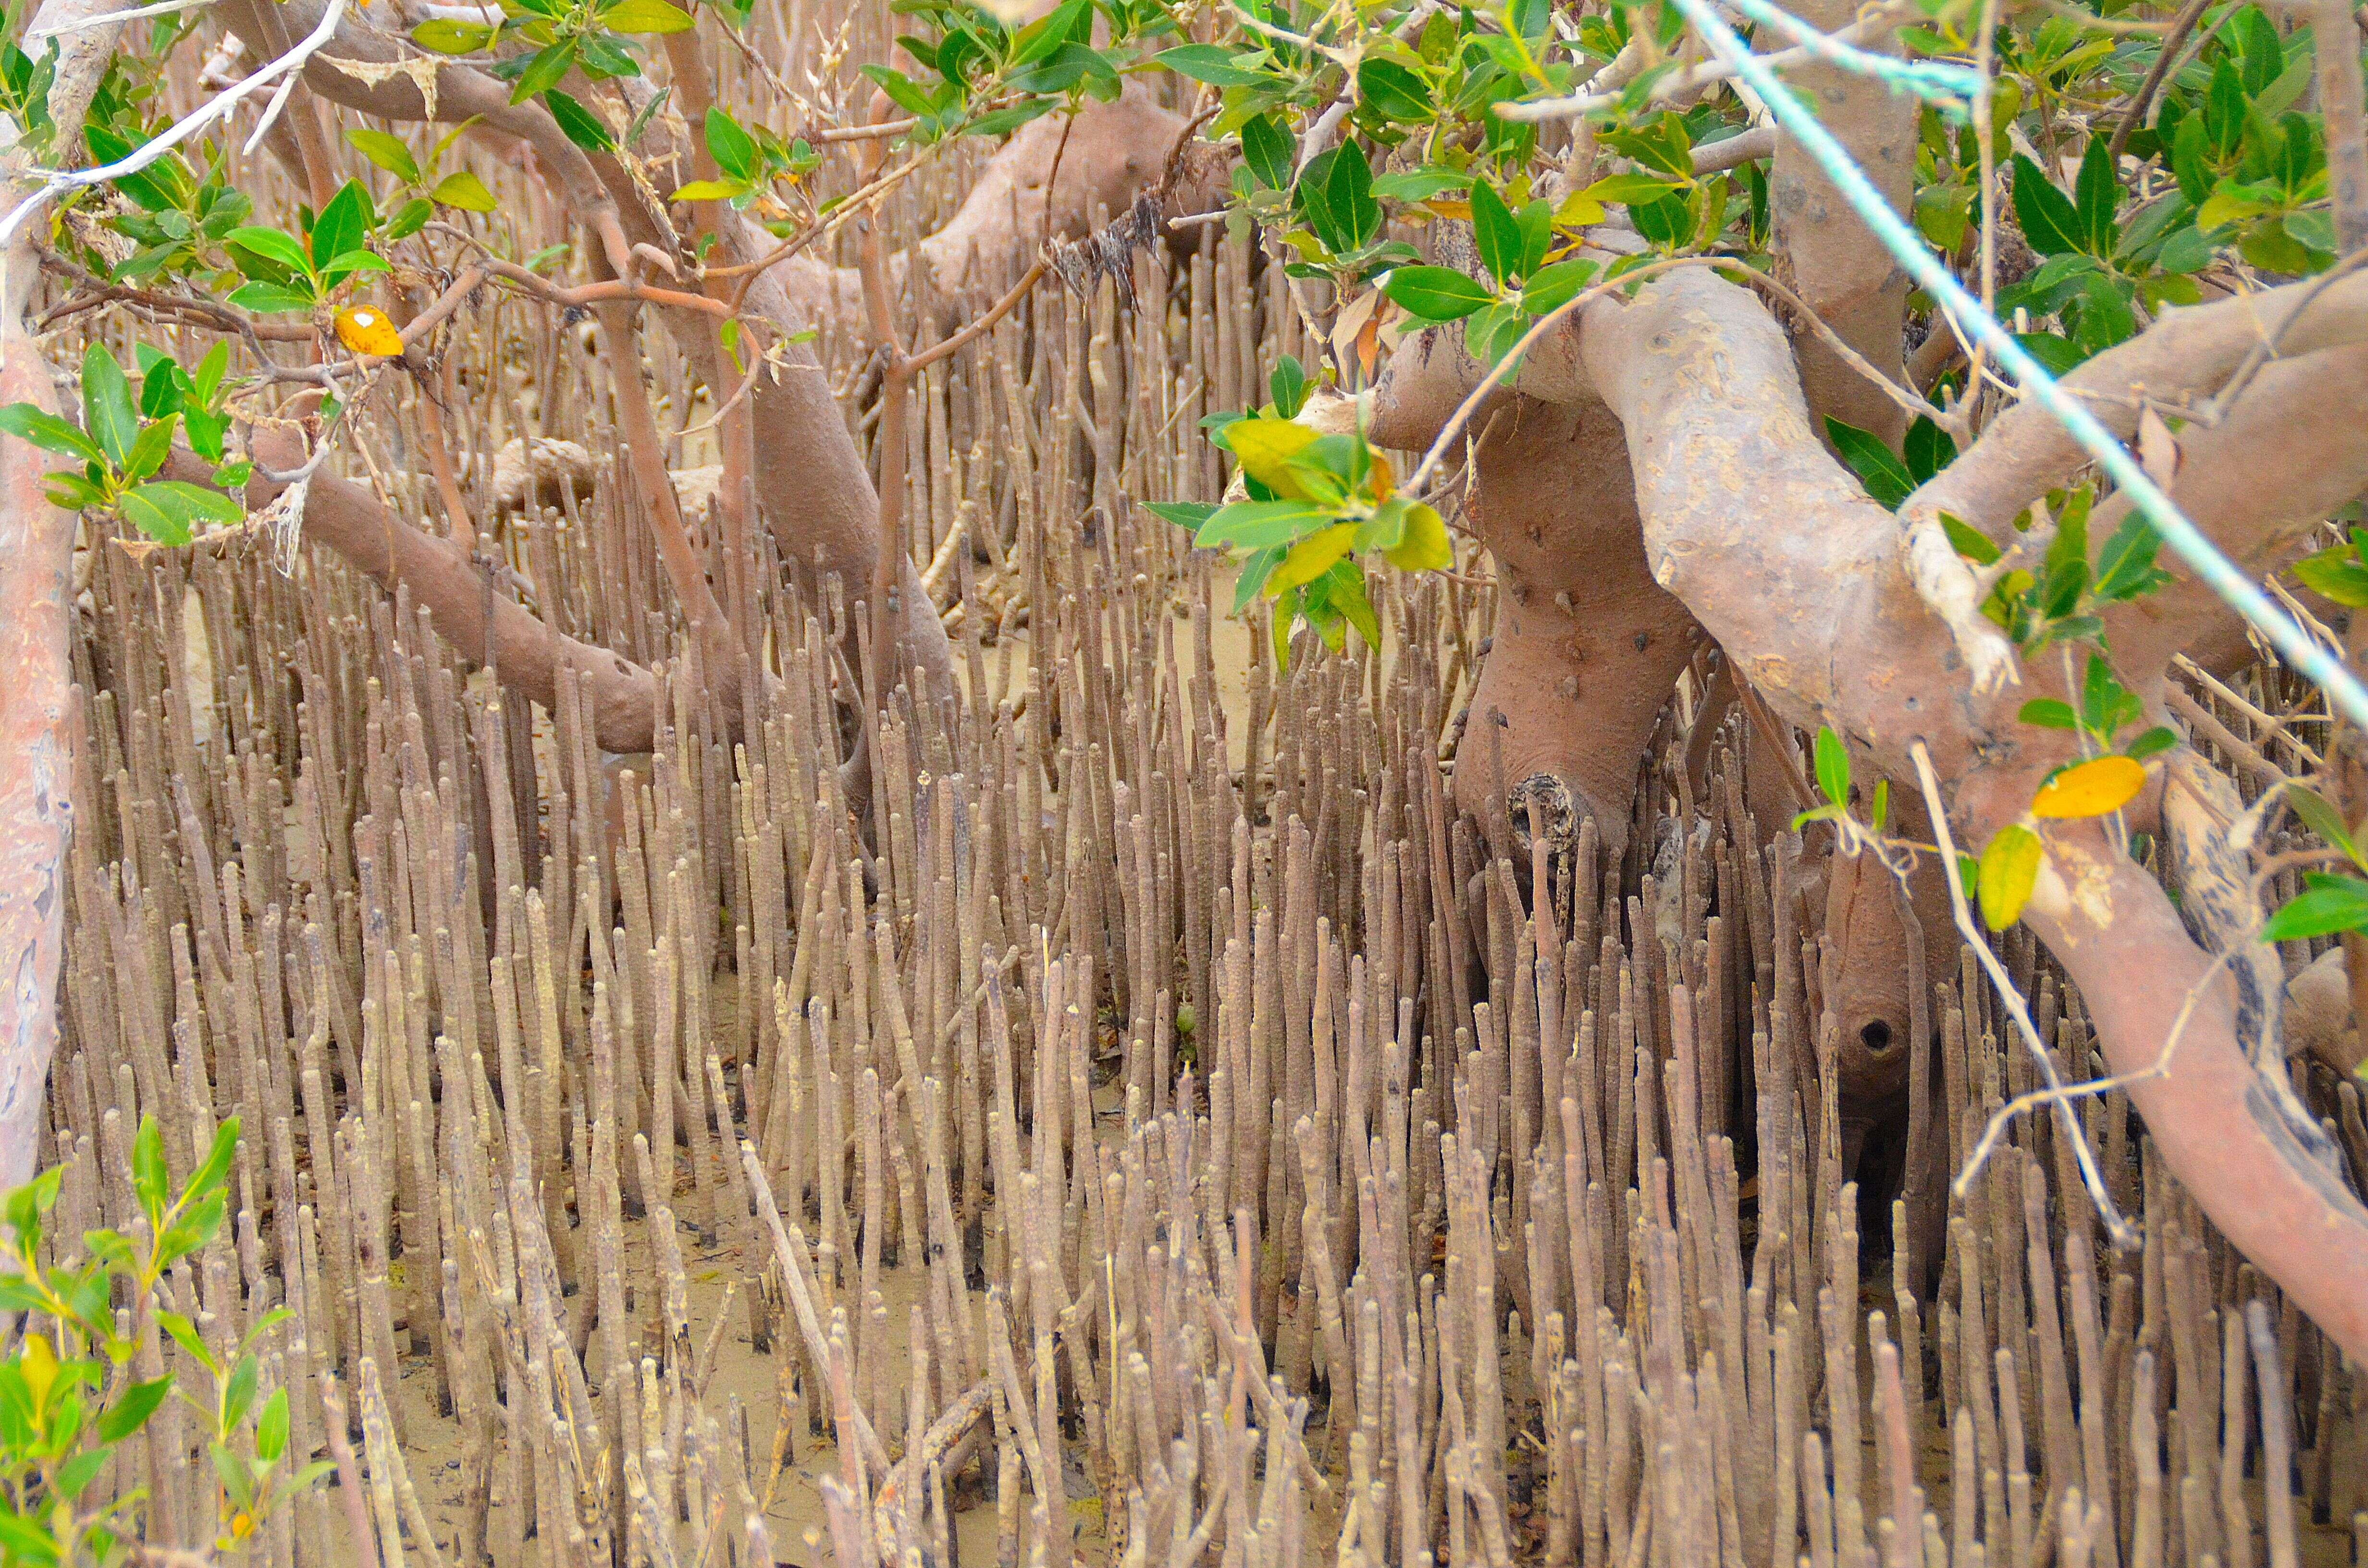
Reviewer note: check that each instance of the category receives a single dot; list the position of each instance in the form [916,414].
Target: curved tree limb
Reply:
[813,486]
[445,579]
[2186,356]
[1805,590]
[35,566]
[1824,250]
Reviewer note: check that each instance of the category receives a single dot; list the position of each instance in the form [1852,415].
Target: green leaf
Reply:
[2232,202]
[2056,355]
[210,1175]
[1334,193]
[237,1481]
[2319,815]
[2106,705]
[1498,234]
[208,379]
[2335,572]
[73,492]
[168,510]
[1435,293]
[1943,214]
[1557,285]
[149,1179]
[733,150]
[1418,185]
[2048,714]
[2095,194]
[1004,121]
[270,299]
[1886,478]
[1626,189]
[1345,587]
[271,1427]
[1183,514]
[1288,383]
[1665,222]
[1395,93]
[644,16]
[130,1413]
[464,191]
[79,1471]
[2125,566]
[26,1541]
[1260,525]
[2154,742]
[2048,219]
[31,422]
[580,124]
[1265,148]
[2330,903]
[1069,65]
[353,261]
[344,224]
[239,1392]
[2010,868]
[711,190]
[154,445]
[408,219]
[387,152]
[902,90]
[1211,64]
[546,68]
[280,250]
[1256,568]
[1833,767]
[108,412]
[154,188]
[1552,286]
[447,34]
[1928,447]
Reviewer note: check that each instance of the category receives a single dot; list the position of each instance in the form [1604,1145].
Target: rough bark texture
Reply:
[1838,269]
[1587,647]
[1586,652]
[1113,153]
[1804,587]
[813,487]
[35,568]
[36,804]
[622,699]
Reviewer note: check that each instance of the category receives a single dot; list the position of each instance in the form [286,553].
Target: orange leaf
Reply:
[366,331]
[2091,790]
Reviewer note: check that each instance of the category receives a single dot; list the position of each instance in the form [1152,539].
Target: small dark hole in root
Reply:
[1877,1035]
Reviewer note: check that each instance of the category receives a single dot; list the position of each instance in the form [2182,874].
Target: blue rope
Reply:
[2217,572]
[1935,79]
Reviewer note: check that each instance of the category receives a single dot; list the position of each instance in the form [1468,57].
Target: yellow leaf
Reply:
[1265,447]
[1423,546]
[1449,207]
[1577,210]
[1311,558]
[40,1365]
[2009,866]
[366,330]
[1385,481]
[2091,790]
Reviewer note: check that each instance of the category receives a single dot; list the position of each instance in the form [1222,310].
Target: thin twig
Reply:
[2115,1225]
[2135,115]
